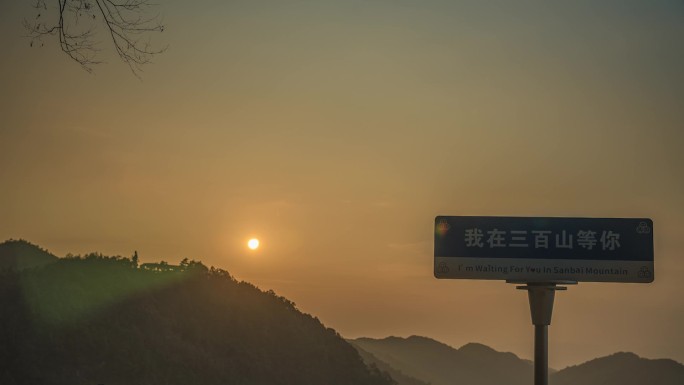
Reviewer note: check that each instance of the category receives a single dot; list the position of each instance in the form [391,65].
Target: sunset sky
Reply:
[334,131]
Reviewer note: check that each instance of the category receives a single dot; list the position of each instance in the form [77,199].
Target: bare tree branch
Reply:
[74,22]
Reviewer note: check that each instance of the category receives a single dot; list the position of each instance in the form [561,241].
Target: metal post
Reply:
[541,296]
[541,355]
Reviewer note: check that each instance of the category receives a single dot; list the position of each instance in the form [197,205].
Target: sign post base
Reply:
[541,296]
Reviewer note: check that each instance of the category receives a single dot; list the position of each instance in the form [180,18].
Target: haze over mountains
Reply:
[97,319]
[421,360]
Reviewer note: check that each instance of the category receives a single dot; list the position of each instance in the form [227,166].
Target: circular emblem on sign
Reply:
[442,227]
[442,268]
[643,228]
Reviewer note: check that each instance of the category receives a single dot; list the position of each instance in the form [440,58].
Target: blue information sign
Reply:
[544,248]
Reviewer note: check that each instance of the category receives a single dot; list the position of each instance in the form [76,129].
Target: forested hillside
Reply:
[102,320]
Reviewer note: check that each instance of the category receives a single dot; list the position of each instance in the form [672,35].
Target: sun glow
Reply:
[253,244]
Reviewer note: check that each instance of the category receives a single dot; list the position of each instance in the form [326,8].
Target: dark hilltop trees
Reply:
[18,254]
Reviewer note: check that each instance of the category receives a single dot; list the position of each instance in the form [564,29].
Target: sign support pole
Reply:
[541,296]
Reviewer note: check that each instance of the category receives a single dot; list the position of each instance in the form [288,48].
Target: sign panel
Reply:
[544,249]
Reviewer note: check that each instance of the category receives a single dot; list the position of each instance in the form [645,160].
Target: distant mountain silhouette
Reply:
[20,254]
[622,369]
[430,361]
[438,364]
[103,320]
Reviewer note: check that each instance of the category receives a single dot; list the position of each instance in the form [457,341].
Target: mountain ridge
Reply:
[622,368]
[56,310]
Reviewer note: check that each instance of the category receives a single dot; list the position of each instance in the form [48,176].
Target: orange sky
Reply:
[335,131]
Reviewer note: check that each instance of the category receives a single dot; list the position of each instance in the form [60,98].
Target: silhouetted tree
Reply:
[74,22]
[134,259]
[184,263]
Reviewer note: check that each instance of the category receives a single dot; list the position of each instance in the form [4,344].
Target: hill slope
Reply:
[100,320]
[439,364]
[622,369]
[20,255]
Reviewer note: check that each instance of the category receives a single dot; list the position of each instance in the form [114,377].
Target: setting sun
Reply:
[253,244]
